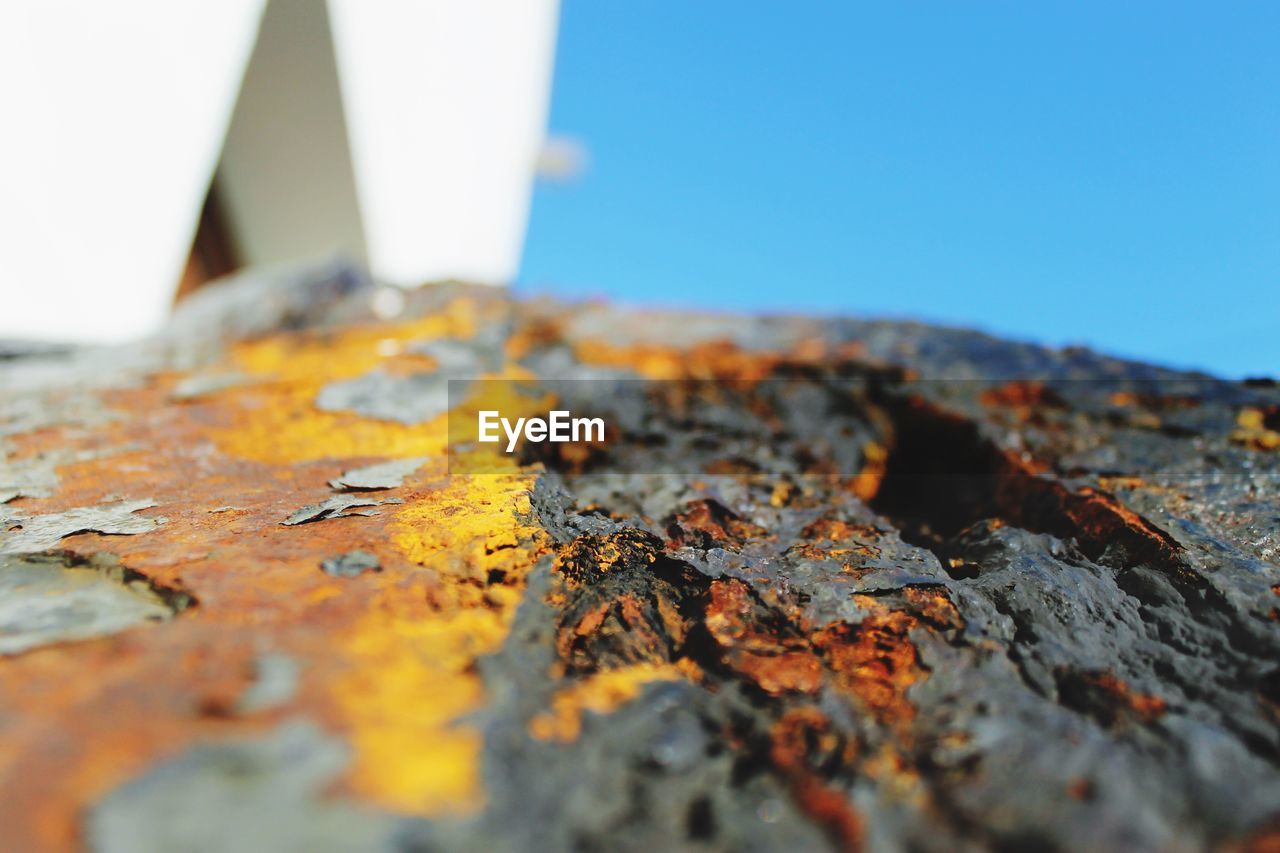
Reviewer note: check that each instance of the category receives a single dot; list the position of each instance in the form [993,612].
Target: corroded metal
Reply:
[948,592]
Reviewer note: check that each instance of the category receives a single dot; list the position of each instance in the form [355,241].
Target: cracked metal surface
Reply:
[944,592]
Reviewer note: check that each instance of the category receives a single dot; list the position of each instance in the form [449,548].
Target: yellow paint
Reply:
[707,360]
[413,672]
[274,419]
[285,427]
[1253,430]
[1250,419]
[406,685]
[317,356]
[600,693]
[466,523]
[407,662]
[868,481]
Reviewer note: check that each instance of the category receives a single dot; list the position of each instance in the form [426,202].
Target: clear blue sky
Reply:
[1104,173]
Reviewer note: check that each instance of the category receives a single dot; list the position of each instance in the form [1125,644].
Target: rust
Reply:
[1109,698]
[836,539]
[1266,840]
[588,558]
[876,662]
[938,452]
[769,623]
[759,646]
[624,603]
[264,450]
[801,739]
[934,607]
[708,523]
[1026,402]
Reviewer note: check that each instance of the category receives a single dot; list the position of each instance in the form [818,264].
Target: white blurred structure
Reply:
[409,138]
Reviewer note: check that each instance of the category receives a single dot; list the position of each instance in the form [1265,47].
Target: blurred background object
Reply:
[405,134]
[114,118]
[284,185]
[446,104]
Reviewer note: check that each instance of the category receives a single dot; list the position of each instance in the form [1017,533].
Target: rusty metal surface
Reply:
[1035,604]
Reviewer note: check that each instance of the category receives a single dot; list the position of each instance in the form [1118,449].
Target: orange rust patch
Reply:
[1025,401]
[1092,516]
[876,662]
[934,607]
[1022,394]
[1122,398]
[835,530]
[774,659]
[1126,399]
[800,738]
[710,360]
[1104,519]
[827,530]
[707,521]
[1148,708]
[1266,840]
[1080,789]
[796,671]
